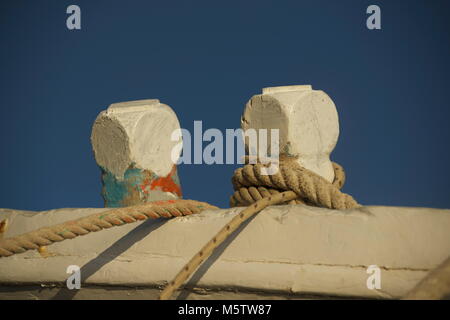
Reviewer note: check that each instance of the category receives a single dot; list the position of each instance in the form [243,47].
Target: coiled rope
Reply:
[251,184]
[292,183]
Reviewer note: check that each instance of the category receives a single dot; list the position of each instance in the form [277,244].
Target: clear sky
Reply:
[206,59]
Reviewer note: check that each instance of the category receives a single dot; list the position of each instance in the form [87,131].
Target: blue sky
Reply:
[206,59]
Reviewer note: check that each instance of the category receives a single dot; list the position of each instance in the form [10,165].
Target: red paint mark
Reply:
[166,184]
[163,202]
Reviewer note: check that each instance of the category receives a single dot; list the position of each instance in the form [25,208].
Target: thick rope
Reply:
[297,183]
[251,185]
[104,220]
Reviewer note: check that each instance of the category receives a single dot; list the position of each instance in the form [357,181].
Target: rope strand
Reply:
[292,183]
[104,220]
[220,237]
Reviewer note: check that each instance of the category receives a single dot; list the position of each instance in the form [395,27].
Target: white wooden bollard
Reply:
[307,121]
[133,148]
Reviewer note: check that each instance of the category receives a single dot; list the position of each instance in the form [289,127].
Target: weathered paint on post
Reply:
[138,186]
[132,146]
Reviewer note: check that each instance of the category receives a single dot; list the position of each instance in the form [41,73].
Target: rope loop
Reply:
[251,185]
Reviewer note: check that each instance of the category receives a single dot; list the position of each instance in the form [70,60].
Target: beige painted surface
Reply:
[289,250]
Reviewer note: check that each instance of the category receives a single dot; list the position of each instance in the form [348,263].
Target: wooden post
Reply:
[133,148]
[307,121]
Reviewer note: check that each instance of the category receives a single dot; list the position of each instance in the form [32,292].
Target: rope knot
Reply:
[251,184]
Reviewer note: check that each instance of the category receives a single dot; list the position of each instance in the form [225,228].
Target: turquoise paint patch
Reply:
[116,190]
[135,180]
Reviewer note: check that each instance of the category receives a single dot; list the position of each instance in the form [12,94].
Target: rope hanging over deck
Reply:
[98,221]
[291,184]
